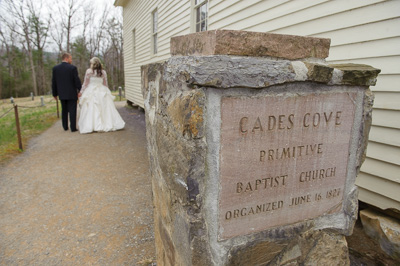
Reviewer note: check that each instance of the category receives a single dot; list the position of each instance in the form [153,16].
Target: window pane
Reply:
[201,16]
[198,15]
[203,25]
[155,43]
[203,10]
[155,18]
[198,2]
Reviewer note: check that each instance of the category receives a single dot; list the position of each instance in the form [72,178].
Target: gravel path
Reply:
[73,199]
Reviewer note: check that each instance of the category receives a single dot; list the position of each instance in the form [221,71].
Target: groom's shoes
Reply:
[74,130]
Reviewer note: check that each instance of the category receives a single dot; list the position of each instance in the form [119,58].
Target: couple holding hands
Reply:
[97,109]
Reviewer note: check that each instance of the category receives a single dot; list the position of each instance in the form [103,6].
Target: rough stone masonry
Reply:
[254,144]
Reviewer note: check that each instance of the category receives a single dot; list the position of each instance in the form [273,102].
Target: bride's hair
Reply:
[96,66]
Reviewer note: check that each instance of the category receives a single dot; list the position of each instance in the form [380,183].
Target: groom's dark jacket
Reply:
[65,82]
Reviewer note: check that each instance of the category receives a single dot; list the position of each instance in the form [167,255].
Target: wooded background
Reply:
[33,34]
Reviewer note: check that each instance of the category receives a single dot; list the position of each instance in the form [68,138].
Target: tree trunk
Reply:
[40,72]
[35,91]
[1,85]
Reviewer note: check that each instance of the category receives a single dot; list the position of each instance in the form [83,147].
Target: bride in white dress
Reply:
[97,109]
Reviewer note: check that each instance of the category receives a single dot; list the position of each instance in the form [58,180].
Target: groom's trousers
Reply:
[68,107]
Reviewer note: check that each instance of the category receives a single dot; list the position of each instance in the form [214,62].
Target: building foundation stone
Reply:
[384,229]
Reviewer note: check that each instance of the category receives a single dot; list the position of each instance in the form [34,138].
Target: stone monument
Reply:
[254,144]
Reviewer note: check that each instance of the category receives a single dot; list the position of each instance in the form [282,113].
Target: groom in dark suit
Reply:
[66,85]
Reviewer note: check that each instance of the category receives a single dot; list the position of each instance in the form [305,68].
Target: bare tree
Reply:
[57,34]
[88,18]
[7,44]
[65,23]
[81,47]
[39,30]
[19,23]
[113,54]
[69,23]
[3,44]
[76,26]
[14,62]
[96,34]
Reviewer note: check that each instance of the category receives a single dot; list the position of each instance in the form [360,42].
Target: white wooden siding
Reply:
[172,20]
[361,32]
[385,135]
[387,100]
[387,82]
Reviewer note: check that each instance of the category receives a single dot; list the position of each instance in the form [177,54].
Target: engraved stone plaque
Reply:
[283,159]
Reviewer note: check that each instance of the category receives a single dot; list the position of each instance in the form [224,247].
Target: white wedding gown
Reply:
[97,109]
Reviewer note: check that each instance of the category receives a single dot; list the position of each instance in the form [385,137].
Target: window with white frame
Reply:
[134,45]
[201,14]
[154,23]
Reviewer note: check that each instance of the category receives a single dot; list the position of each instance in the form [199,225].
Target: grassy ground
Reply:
[33,117]
[116,94]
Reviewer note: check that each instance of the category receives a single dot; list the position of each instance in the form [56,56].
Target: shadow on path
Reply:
[73,199]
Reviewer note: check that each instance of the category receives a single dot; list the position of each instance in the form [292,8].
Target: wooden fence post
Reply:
[18,127]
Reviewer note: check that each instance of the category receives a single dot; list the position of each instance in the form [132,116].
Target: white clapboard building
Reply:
[361,31]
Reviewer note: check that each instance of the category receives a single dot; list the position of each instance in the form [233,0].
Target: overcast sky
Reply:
[99,7]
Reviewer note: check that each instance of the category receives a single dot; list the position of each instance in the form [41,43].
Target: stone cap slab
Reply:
[357,74]
[222,71]
[246,43]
